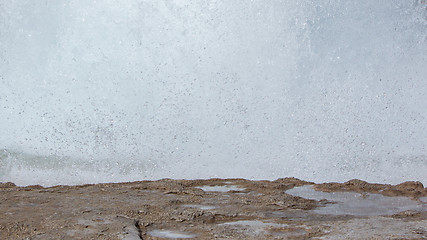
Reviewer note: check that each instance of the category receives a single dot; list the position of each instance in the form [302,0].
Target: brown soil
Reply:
[408,189]
[136,210]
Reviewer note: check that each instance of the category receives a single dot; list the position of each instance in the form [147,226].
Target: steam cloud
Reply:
[94,91]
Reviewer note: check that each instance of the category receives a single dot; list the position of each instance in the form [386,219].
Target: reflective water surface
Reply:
[352,203]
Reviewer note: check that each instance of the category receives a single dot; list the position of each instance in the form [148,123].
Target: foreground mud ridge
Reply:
[215,209]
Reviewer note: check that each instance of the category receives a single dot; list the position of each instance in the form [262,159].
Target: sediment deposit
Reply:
[203,209]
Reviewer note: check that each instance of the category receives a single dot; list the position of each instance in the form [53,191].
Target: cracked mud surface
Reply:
[226,209]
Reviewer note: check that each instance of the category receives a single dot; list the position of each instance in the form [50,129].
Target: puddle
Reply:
[377,228]
[254,223]
[253,226]
[304,215]
[356,204]
[170,234]
[225,188]
[202,207]
[423,199]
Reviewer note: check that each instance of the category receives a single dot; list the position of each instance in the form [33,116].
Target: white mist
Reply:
[95,91]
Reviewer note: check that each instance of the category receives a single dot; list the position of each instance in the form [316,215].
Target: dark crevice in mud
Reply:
[137,225]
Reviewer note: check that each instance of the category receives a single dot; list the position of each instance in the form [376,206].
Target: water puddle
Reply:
[254,223]
[377,228]
[219,188]
[202,207]
[170,234]
[253,226]
[352,203]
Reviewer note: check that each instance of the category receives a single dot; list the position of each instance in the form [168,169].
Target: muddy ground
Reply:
[225,209]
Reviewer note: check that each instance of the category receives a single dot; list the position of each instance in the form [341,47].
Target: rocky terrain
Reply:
[215,209]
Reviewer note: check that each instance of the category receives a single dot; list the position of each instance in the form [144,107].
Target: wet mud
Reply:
[214,209]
